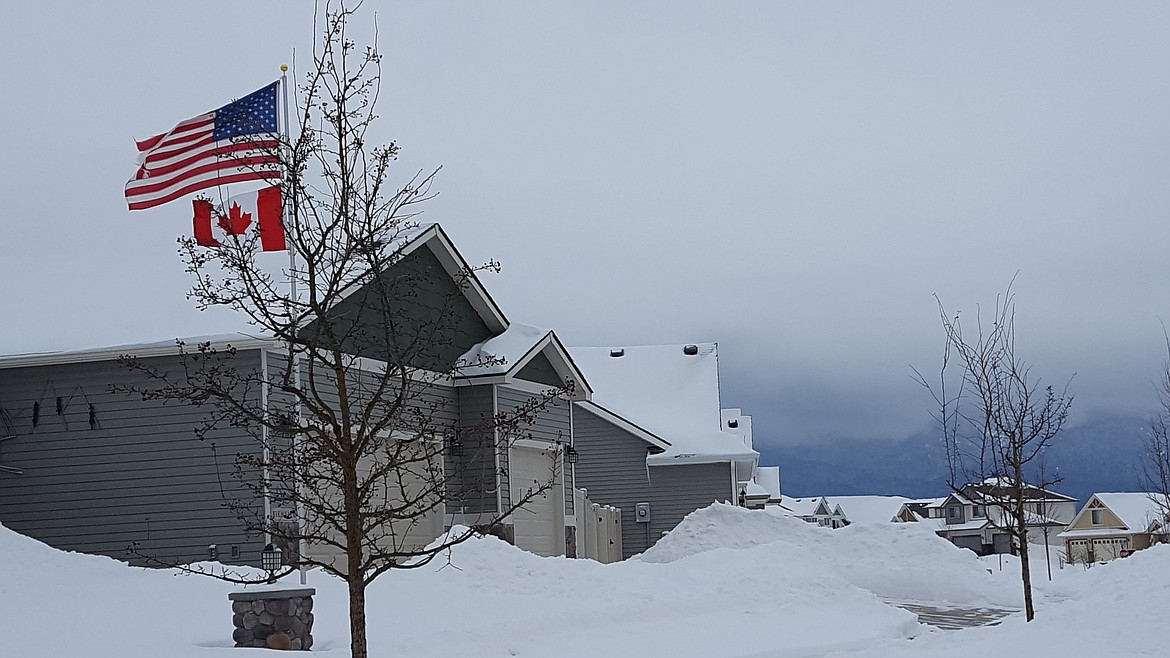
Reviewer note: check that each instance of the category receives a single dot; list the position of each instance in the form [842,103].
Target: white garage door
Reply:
[539,524]
[1078,551]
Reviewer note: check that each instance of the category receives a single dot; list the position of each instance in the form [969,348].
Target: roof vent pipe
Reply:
[690,350]
[733,423]
[617,352]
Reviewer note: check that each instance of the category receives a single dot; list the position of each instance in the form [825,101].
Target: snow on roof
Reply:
[1135,509]
[1093,532]
[498,355]
[977,524]
[801,506]
[928,502]
[768,477]
[509,351]
[754,490]
[142,349]
[669,392]
[1001,487]
[734,421]
[869,509]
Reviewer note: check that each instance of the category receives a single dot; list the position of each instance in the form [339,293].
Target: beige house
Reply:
[1112,525]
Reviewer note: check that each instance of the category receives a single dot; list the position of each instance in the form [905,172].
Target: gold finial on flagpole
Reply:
[284,68]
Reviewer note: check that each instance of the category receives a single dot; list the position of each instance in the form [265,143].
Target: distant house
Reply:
[816,509]
[1111,525]
[653,439]
[973,517]
[869,509]
[922,510]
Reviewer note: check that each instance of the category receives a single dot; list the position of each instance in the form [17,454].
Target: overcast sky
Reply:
[792,180]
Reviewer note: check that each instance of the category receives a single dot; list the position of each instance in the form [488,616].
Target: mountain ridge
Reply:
[1104,453]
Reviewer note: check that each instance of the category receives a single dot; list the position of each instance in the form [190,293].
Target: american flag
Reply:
[238,142]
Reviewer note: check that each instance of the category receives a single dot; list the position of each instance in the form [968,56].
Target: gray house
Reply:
[650,441]
[974,517]
[88,469]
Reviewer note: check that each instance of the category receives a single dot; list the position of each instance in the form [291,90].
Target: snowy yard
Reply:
[727,582]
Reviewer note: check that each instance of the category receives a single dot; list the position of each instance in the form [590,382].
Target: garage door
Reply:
[539,524]
[1078,551]
[1108,549]
[973,542]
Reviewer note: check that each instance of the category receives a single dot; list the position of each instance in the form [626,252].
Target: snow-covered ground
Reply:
[727,582]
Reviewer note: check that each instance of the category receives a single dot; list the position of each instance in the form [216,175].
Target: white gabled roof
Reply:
[501,354]
[869,509]
[506,355]
[1137,510]
[801,506]
[668,393]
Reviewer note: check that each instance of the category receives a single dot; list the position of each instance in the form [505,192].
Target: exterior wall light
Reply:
[270,558]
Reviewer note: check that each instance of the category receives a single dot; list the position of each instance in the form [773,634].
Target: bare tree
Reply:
[996,420]
[356,451]
[1045,480]
[1155,469]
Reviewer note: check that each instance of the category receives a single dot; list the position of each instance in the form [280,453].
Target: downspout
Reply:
[267,453]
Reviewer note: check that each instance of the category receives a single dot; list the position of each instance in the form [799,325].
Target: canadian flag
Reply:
[260,207]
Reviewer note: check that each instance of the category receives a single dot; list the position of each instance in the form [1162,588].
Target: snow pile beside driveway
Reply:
[1115,609]
[901,561]
[491,599]
[497,601]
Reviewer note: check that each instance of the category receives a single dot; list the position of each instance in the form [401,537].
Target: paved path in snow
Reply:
[951,618]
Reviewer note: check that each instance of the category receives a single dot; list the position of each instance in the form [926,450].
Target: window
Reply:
[978,511]
[953,512]
[1096,517]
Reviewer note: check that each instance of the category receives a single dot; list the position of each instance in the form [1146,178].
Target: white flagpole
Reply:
[290,239]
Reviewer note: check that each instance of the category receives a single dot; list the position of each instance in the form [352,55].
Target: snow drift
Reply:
[903,561]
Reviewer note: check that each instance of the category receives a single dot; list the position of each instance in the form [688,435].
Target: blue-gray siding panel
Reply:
[140,475]
[551,423]
[612,467]
[471,468]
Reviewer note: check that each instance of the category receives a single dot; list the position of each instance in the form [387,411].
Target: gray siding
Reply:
[471,468]
[414,313]
[612,466]
[139,475]
[551,423]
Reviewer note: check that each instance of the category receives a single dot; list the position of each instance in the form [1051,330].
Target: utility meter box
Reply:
[642,512]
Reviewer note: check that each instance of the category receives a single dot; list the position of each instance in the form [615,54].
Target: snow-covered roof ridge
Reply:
[142,349]
[506,354]
[871,508]
[1003,486]
[498,354]
[804,506]
[671,391]
[1137,510]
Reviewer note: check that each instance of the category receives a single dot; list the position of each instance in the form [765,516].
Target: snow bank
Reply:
[894,561]
[486,598]
[55,603]
[1117,609]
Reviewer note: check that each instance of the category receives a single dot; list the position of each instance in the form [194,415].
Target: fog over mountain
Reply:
[1102,454]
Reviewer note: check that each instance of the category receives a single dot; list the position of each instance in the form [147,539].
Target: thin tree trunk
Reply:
[357,618]
[1026,575]
[1047,551]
